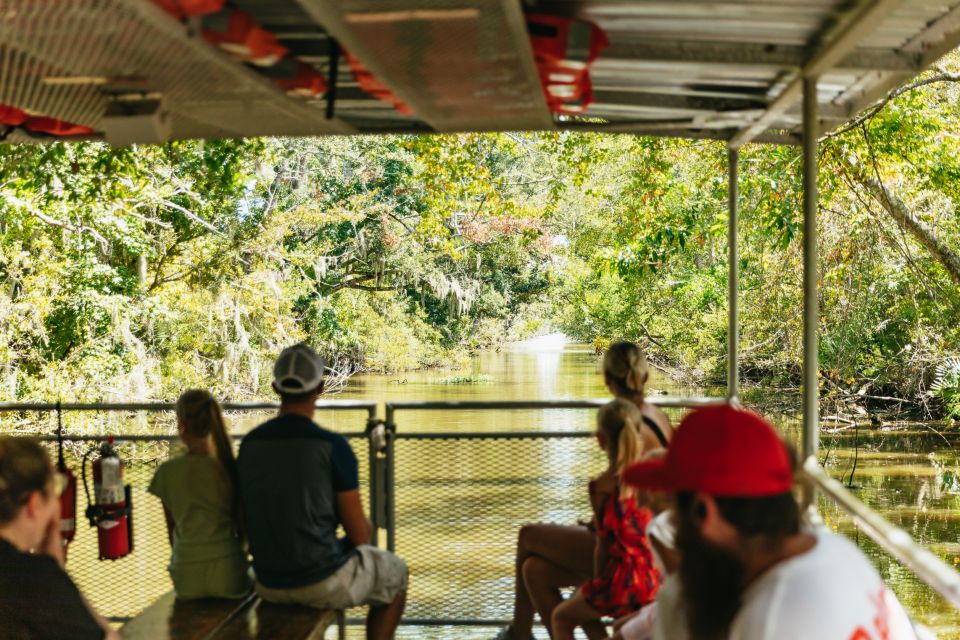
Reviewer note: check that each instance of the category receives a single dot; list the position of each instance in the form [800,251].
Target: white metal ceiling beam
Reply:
[931,44]
[836,43]
[625,48]
[677,130]
[673,101]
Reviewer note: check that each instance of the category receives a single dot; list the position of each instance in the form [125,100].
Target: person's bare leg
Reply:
[565,546]
[544,580]
[576,612]
[382,621]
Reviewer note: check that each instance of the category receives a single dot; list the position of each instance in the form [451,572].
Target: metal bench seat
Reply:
[216,619]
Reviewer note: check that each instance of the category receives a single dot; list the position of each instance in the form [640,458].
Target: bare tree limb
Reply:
[899,211]
[192,216]
[103,242]
[869,114]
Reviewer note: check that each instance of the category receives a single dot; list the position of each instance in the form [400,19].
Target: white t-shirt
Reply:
[662,619]
[661,528]
[831,592]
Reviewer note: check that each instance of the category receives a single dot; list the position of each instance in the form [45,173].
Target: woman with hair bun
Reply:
[625,372]
[625,576]
[552,556]
[201,502]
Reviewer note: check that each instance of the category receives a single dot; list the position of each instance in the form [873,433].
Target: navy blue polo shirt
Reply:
[290,473]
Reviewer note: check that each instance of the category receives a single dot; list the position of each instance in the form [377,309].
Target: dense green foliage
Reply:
[649,253]
[132,273]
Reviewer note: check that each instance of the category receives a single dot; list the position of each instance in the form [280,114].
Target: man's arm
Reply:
[355,522]
[171,525]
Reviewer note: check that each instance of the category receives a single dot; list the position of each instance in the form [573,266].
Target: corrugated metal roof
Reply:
[727,70]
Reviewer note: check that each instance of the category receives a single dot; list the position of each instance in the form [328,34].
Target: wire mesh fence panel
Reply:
[460,505]
[122,588]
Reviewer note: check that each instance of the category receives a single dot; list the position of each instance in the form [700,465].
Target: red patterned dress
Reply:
[630,578]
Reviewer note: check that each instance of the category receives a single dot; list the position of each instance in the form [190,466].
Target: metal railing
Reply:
[125,587]
[928,567]
[423,455]
[388,495]
[897,542]
[336,405]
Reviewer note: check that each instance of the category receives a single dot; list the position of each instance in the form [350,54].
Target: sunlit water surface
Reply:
[460,502]
[908,472]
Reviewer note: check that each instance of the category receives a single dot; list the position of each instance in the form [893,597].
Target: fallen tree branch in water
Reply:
[847,394]
[838,419]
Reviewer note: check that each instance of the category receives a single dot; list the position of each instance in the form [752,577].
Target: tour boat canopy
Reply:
[152,70]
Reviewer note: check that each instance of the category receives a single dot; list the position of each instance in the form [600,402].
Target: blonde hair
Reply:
[626,365]
[620,422]
[200,414]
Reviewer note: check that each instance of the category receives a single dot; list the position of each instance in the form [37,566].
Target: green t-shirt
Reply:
[196,491]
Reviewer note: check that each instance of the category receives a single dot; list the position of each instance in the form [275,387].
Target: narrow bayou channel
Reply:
[460,501]
[909,472]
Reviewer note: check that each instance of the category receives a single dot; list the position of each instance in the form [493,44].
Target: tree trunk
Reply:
[902,215]
[142,270]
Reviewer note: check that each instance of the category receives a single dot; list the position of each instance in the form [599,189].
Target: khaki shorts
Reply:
[372,576]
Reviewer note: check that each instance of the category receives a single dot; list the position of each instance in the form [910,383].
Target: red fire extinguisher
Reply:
[112,509]
[68,495]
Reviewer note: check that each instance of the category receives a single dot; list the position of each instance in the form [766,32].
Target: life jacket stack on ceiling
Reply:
[54,127]
[236,33]
[369,83]
[190,8]
[13,117]
[296,78]
[564,49]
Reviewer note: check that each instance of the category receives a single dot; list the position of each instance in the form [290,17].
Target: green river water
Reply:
[909,472]
[460,502]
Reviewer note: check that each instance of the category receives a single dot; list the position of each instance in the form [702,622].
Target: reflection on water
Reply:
[910,475]
[460,503]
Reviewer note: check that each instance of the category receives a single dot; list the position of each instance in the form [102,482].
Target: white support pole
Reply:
[733,280]
[811,383]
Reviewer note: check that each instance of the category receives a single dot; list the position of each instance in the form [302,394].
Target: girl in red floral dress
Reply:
[625,575]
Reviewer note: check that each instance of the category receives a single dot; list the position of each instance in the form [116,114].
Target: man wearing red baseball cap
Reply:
[748,571]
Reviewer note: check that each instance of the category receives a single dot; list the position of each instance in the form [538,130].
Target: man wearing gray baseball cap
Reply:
[298,483]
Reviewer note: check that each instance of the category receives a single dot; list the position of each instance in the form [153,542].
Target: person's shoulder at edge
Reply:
[173,462]
[57,585]
[175,465]
[783,597]
[765,601]
[14,560]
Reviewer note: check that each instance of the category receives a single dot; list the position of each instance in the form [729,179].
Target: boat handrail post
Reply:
[811,383]
[733,280]
[390,481]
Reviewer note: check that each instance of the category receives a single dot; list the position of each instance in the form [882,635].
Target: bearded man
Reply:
[748,569]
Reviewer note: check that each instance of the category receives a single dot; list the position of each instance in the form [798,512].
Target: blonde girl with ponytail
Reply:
[201,502]
[551,557]
[625,574]
[625,372]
